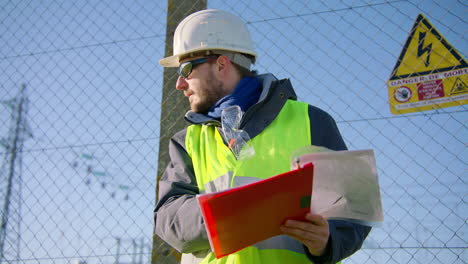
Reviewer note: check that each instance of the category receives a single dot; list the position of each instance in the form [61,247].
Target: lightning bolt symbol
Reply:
[422,49]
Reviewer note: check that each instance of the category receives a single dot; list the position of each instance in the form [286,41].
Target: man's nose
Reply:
[181,83]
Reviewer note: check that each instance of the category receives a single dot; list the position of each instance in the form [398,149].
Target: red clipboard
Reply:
[245,215]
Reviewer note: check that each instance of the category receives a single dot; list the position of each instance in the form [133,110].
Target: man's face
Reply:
[202,87]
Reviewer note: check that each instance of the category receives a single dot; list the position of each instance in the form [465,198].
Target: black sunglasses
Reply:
[186,68]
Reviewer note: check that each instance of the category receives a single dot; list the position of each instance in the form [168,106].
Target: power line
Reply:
[80,256]
[401,116]
[80,47]
[325,11]
[379,248]
[130,141]
[162,36]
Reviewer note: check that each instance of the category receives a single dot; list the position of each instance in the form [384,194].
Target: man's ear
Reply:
[223,64]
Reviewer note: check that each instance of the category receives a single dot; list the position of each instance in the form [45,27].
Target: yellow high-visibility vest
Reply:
[216,168]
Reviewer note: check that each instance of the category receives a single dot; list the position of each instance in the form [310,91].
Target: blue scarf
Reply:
[246,94]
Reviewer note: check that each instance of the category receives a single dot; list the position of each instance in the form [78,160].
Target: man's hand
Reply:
[313,233]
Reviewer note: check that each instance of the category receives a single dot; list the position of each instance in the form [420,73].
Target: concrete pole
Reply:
[173,108]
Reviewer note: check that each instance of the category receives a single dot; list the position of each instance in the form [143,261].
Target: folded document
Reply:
[345,184]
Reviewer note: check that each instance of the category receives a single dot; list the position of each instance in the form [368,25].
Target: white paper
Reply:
[345,184]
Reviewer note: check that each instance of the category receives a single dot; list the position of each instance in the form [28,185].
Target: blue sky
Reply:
[94,87]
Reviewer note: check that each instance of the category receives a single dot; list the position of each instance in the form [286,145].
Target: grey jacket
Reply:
[177,217]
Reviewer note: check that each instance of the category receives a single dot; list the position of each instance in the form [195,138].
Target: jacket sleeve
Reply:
[177,216]
[345,237]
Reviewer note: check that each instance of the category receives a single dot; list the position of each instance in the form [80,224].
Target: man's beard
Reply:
[208,96]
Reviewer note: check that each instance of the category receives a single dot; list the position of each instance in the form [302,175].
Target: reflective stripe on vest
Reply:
[216,168]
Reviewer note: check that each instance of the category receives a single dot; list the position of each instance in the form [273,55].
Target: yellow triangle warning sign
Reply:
[425,52]
[459,87]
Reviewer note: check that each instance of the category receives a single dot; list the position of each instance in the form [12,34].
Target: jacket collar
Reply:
[269,88]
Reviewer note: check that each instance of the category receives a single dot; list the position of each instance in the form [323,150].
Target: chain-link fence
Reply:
[80,113]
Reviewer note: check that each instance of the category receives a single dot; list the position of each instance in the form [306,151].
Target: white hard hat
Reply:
[210,29]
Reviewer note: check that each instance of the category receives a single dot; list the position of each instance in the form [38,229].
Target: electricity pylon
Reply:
[10,177]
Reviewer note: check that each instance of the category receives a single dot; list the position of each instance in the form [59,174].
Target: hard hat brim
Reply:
[172,61]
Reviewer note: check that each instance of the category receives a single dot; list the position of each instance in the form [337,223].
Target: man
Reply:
[214,52]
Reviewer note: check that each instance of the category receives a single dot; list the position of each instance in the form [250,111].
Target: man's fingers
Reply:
[301,234]
[299,225]
[316,219]
[315,242]
[305,241]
